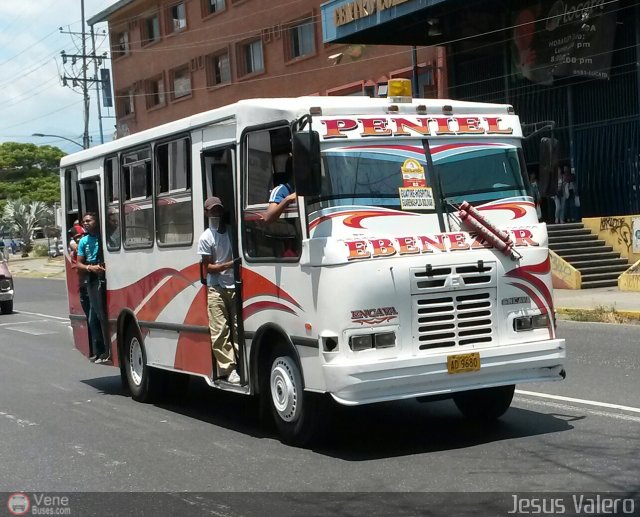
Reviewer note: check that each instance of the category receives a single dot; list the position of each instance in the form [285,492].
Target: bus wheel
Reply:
[140,377]
[6,307]
[296,413]
[485,404]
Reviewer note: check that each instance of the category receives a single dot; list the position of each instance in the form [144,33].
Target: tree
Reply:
[22,218]
[29,172]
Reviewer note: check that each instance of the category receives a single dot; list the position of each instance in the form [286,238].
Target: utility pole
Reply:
[75,78]
[85,86]
[95,71]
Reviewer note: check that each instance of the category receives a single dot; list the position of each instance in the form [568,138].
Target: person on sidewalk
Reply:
[214,248]
[90,263]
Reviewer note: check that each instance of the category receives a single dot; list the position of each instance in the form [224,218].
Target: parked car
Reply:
[6,289]
[56,250]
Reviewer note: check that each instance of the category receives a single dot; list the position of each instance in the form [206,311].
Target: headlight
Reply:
[6,284]
[525,323]
[362,342]
[367,341]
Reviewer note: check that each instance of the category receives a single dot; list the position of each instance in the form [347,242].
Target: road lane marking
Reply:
[579,401]
[21,422]
[575,408]
[32,331]
[42,315]
[20,323]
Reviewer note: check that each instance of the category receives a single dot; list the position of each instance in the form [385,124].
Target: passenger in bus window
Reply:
[90,262]
[113,229]
[281,196]
[214,248]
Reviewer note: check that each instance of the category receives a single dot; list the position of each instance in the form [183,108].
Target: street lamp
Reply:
[59,136]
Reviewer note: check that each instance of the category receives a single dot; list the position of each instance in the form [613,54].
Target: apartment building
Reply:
[171,59]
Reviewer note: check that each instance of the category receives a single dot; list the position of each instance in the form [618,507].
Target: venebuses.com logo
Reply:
[18,503]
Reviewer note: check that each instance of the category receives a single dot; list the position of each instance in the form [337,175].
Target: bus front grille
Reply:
[459,319]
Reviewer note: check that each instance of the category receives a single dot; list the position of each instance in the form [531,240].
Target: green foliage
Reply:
[21,218]
[29,172]
[41,250]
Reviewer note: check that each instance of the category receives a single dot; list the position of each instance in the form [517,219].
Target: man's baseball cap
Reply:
[211,202]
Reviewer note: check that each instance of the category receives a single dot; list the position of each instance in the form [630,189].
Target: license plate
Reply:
[461,363]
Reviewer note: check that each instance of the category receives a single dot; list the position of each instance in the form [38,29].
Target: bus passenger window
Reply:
[137,206]
[174,209]
[267,154]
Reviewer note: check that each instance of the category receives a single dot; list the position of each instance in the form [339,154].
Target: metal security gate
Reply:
[597,121]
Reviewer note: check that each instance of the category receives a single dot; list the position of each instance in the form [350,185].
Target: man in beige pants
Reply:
[214,247]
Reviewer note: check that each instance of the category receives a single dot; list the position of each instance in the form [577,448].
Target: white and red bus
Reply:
[412,264]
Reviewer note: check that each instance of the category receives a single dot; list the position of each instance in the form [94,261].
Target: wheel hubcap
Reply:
[136,364]
[284,390]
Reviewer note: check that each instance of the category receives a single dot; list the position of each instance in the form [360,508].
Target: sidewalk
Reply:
[597,301]
[36,267]
[587,304]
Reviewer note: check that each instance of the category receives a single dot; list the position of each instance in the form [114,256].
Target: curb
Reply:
[591,314]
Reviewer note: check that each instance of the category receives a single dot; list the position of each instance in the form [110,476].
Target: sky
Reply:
[32,97]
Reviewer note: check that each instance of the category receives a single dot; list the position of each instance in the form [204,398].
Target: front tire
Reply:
[485,405]
[141,379]
[6,307]
[296,413]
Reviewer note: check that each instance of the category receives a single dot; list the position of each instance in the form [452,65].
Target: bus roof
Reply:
[259,111]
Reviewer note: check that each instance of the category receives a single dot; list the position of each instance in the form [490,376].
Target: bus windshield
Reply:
[371,175]
[367,175]
[478,173]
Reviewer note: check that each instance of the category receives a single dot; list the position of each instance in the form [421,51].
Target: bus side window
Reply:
[266,157]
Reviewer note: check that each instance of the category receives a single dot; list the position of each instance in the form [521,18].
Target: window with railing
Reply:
[174,208]
[137,199]
[176,17]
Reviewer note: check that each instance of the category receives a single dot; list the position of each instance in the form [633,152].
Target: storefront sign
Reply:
[361,9]
[557,38]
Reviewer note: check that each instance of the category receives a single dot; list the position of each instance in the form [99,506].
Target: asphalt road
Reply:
[66,425]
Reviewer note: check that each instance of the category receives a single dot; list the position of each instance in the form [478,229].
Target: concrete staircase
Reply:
[598,264]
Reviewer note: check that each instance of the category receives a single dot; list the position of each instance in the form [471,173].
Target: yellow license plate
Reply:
[461,363]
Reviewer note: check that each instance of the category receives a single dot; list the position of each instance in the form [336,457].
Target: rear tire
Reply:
[484,405]
[297,414]
[141,379]
[6,307]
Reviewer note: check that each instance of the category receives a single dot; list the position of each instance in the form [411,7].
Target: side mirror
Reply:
[547,173]
[306,163]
